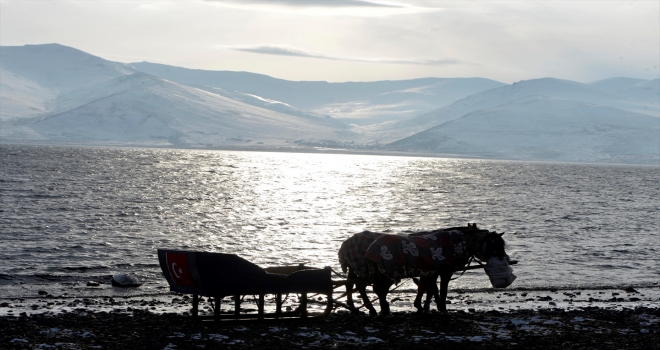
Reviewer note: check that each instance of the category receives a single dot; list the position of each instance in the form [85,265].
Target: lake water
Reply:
[73,214]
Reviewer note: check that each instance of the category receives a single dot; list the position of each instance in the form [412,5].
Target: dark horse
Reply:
[367,254]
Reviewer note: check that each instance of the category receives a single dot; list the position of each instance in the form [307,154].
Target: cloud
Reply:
[286,51]
[352,8]
[314,3]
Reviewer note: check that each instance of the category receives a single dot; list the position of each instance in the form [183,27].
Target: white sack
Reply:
[500,272]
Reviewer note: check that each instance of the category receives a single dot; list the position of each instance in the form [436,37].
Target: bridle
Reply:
[481,255]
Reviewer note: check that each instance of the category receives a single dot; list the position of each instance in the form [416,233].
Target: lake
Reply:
[73,214]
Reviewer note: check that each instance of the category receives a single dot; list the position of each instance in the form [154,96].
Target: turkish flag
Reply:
[177,263]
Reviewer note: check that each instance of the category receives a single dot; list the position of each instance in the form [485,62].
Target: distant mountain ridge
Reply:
[84,98]
[57,94]
[142,107]
[353,102]
[546,129]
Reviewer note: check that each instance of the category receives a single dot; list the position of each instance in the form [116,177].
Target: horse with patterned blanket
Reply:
[424,254]
[351,259]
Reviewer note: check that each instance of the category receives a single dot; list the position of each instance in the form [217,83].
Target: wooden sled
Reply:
[218,275]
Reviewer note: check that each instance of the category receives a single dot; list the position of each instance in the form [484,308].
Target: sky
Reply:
[353,40]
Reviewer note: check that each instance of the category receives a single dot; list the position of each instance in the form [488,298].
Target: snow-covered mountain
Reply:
[520,92]
[548,129]
[141,107]
[644,93]
[56,94]
[33,76]
[360,103]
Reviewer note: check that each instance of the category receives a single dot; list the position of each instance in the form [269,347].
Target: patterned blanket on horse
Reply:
[416,255]
[353,249]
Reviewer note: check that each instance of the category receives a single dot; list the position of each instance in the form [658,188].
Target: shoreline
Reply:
[105,298]
[365,151]
[588,328]
[552,318]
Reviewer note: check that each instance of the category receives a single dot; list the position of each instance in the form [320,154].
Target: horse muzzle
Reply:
[499,272]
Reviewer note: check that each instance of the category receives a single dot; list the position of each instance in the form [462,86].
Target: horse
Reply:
[497,268]
[353,258]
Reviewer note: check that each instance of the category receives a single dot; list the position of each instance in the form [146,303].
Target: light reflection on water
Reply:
[98,211]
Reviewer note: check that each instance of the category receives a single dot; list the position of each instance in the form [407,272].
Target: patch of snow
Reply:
[217,337]
[455,339]
[477,338]
[19,340]
[314,334]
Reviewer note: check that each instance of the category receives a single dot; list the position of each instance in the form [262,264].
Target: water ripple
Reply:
[80,210]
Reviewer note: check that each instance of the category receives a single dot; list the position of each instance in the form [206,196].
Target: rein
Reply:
[472,257]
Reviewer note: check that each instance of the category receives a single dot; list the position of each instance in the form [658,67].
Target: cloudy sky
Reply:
[354,40]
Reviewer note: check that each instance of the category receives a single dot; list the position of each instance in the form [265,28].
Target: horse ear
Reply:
[501,234]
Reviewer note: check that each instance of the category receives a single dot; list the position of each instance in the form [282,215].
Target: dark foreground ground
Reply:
[588,328]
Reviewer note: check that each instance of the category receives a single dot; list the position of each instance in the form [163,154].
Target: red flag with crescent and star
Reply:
[177,263]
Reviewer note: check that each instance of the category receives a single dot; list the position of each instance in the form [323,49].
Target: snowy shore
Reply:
[584,318]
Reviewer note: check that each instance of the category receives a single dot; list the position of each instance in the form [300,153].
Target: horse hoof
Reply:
[373,313]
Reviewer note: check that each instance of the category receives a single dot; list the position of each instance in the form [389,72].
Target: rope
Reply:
[338,274]
[466,268]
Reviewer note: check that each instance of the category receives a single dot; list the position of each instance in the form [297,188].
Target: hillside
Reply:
[33,76]
[143,108]
[545,129]
[519,92]
[54,93]
[360,103]
[643,94]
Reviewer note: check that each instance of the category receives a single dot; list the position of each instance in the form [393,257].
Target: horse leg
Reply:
[441,300]
[349,291]
[381,288]
[424,286]
[431,287]
[362,288]
[418,298]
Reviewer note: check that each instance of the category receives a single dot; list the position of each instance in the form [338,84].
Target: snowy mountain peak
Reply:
[58,67]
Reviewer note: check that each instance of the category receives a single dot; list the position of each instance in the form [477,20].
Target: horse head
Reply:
[491,249]
[491,245]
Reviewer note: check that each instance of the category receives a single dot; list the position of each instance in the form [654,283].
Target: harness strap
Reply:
[472,256]
[466,267]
